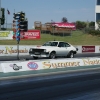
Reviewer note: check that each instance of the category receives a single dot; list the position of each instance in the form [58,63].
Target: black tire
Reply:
[52,55]
[70,55]
[35,57]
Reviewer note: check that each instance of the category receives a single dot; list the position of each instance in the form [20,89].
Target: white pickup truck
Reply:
[53,49]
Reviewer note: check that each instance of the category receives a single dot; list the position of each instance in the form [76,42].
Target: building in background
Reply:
[97,13]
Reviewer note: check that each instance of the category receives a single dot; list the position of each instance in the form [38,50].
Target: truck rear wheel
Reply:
[70,55]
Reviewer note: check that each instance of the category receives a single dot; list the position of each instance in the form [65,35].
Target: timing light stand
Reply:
[18,40]
[18,50]
[21,25]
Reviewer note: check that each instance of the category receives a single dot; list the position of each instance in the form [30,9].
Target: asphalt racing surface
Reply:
[88,82]
[79,85]
[12,58]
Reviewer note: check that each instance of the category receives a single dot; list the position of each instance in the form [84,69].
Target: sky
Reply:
[47,10]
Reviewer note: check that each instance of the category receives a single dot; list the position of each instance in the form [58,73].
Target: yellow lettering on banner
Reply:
[61,64]
[1,51]
[11,50]
[54,65]
[72,64]
[4,34]
[14,51]
[8,50]
[91,62]
[47,64]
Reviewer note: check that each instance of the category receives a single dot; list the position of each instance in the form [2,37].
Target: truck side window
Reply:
[67,45]
[61,44]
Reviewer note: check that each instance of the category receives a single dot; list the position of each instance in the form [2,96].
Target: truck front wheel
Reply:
[52,55]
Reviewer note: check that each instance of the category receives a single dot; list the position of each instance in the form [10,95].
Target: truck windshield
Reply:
[50,44]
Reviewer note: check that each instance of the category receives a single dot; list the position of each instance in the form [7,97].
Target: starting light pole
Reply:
[16,23]
[20,25]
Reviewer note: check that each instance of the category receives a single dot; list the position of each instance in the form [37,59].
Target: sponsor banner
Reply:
[88,49]
[70,63]
[47,64]
[21,66]
[6,35]
[11,50]
[30,34]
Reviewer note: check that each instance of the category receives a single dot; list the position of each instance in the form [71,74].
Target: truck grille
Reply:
[36,51]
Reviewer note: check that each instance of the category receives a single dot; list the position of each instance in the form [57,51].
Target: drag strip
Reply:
[50,86]
[12,58]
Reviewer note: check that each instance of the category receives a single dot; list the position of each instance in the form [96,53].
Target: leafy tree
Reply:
[98,22]
[80,24]
[64,20]
[92,24]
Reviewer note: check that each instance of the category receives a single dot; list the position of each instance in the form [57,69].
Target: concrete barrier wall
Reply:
[1,68]
[11,50]
[30,65]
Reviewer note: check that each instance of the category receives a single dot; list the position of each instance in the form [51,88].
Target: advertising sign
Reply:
[88,49]
[4,35]
[70,26]
[11,50]
[15,67]
[30,34]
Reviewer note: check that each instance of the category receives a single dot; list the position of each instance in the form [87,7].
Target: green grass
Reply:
[77,38]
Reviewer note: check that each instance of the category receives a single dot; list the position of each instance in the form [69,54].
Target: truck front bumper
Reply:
[46,54]
[39,55]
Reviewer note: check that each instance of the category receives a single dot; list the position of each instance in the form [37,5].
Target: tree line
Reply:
[82,24]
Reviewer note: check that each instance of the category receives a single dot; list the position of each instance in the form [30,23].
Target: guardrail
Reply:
[50,86]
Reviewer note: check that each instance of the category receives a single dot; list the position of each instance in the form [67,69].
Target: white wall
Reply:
[11,50]
[97,10]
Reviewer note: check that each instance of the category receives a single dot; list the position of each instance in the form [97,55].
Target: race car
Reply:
[53,49]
